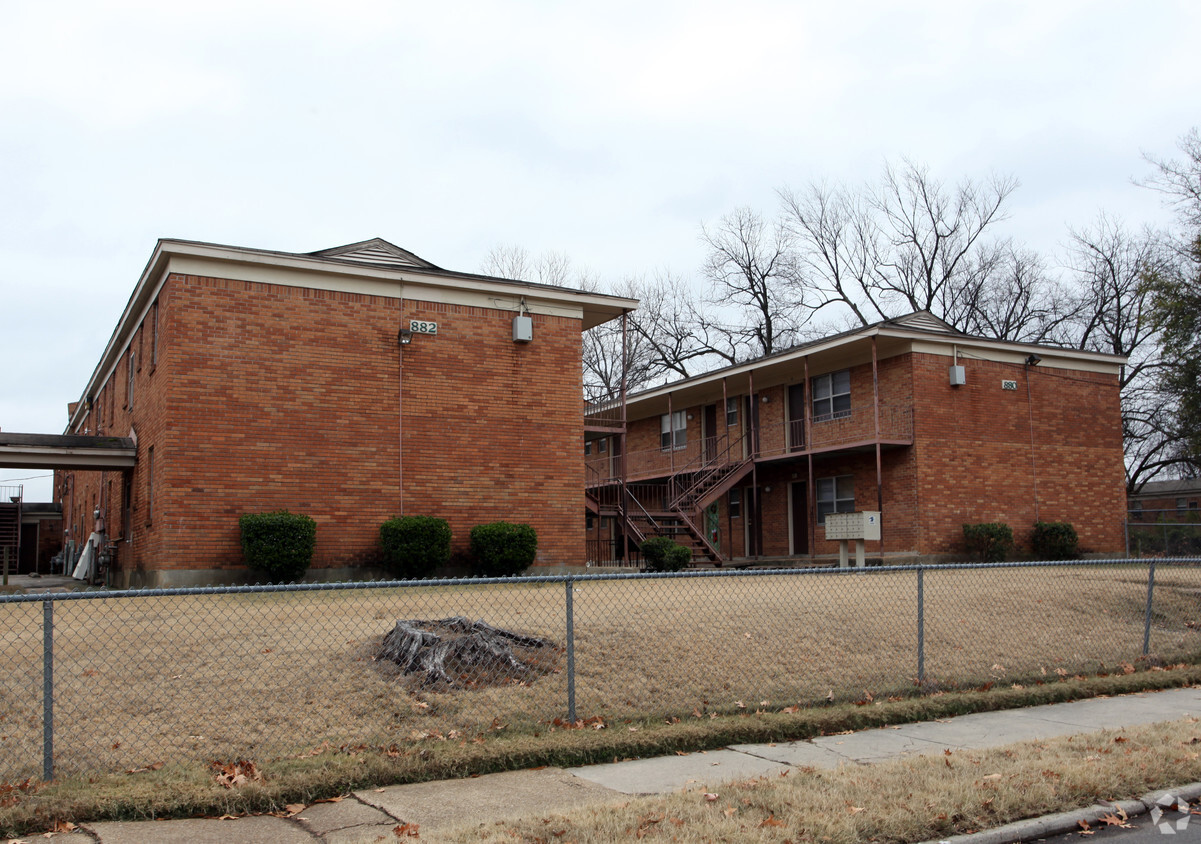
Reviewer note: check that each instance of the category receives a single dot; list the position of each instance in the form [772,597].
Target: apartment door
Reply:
[710,432]
[751,434]
[796,417]
[798,509]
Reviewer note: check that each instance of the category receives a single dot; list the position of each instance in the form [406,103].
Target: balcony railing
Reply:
[853,428]
[605,414]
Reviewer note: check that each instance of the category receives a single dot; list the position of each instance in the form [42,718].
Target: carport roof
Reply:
[66,451]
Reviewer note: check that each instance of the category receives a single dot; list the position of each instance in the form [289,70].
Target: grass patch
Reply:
[910,799]
[189,790]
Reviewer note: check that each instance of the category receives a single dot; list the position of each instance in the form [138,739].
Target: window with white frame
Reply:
[673,428]
[835,495]
[735,503]
[832,395]
[731,412]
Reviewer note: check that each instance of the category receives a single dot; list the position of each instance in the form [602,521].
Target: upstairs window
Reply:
[673,430]
[129,387]
[832,395]
[731,412]
[835,495]
[735,503]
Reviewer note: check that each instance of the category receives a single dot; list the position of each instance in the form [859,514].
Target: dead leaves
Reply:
[156,766]
[236,774]
[595,722]
[406,830]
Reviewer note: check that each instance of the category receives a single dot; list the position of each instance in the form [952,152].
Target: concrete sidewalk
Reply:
[374,814]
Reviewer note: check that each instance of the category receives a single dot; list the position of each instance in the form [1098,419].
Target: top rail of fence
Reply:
[809,571]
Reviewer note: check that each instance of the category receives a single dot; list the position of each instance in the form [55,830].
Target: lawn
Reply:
[147,680]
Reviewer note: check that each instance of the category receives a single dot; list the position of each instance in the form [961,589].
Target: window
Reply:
[129,386]
[149,484]
[731,412]
[127,509]
[1181,505]
[832,395]
[735,503]
[835,495]
[1192,505]
[602,446]
[154,334]
[588,447]
[588,523]
[673,430]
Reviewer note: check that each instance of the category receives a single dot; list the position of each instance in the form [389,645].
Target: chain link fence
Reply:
[1164,537]
[97,682]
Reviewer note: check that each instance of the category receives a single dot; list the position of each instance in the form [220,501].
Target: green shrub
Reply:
[661,553]
[415,546]
[990,542]
[278,544]
[1054,541]
[502,549]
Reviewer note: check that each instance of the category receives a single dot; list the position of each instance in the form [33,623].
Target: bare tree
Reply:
[905,244]
[752,270]
[1111,311]
[1179,180]
[515,262]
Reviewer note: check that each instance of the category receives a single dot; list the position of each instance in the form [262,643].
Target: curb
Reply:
[1063,822]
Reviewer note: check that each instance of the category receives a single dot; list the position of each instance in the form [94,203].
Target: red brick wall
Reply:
[972,458]
[982,452]
[268,397]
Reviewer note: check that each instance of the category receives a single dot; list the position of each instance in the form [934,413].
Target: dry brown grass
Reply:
[270,676]
[912,799]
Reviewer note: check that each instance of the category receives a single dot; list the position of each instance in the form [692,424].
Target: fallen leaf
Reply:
[406,830]
[772,820]
[295,808]
[730,812]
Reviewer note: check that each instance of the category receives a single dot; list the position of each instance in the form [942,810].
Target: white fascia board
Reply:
[918,341]
[333,274]
[330,274]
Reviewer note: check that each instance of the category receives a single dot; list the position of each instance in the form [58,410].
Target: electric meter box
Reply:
[861,525]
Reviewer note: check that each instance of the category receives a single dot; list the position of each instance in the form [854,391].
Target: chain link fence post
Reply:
[1150,594]
[570,584]
[921,627]
[47,690]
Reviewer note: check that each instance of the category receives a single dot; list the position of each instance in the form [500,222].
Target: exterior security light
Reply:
[405,337]
[1033,360]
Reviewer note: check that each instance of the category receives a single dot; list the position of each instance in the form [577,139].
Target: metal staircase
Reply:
[10,527]
[674,507]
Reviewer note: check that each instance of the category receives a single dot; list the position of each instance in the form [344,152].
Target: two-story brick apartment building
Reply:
[929,426]
[351,384]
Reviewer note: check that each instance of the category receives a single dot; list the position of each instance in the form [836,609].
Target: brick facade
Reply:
[259,396]
[1049,448]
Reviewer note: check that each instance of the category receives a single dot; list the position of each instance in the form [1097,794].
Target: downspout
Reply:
[1033,461]
[400,474]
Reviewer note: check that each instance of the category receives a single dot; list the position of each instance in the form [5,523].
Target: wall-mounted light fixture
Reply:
[1033,360]
[767,489]
[405,337]
[766,399]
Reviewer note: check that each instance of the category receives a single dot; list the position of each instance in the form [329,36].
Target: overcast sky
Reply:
[606,131]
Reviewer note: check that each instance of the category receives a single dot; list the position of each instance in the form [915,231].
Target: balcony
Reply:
[603,416]
[853,430]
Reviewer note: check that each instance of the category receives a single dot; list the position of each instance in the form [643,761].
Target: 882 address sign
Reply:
[418,326]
